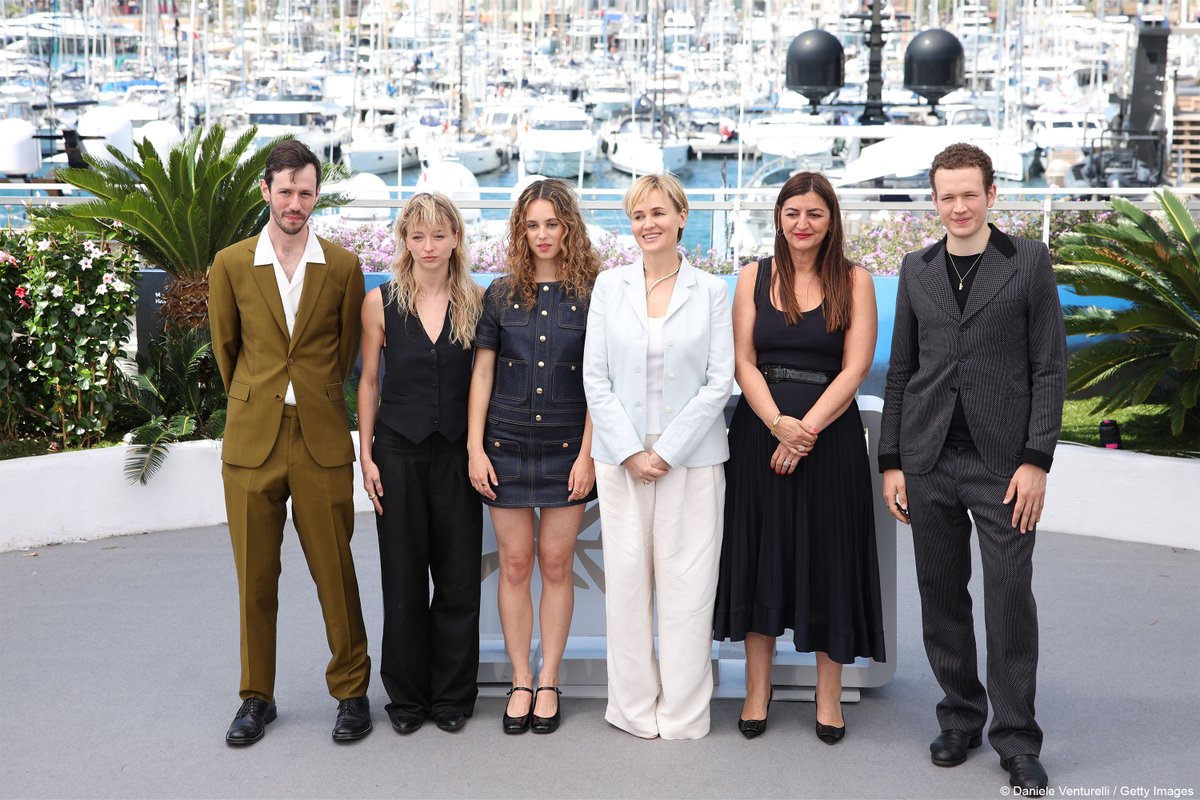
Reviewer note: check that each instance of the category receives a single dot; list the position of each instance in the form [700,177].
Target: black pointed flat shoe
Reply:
[519,724]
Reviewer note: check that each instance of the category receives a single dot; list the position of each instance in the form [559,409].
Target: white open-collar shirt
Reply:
[289,291]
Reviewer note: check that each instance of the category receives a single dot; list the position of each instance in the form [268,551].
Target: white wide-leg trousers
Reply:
[665,539]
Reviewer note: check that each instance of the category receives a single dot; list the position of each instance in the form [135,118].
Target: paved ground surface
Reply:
[118,676]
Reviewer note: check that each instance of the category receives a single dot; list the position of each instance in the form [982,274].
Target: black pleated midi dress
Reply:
[799,550]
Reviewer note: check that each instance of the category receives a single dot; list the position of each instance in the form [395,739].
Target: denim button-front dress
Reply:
[536,416]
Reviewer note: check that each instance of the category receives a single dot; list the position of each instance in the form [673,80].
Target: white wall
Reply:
[74,497]
[1117,494]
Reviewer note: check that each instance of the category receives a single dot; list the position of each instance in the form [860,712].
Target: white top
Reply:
[289,291]
[655,352]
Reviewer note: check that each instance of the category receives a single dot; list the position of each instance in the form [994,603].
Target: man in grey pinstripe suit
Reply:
[972,413]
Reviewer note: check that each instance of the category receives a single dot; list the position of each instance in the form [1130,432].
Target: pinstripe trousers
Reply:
[938,503]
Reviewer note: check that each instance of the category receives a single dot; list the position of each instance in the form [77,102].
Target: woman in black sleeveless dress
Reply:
[799,544]
[413,452]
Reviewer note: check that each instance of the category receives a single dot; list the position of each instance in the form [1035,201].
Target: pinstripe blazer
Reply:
[1004,354]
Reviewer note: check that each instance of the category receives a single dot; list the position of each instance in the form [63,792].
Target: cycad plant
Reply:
[179,395]
[175,211]
[1154,343]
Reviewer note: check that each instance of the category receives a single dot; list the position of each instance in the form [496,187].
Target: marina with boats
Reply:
[1059,92]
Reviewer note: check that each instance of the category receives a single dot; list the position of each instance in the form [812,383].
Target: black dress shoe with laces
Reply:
[405,723]
[353,719]
[250,722]
[949,749]
[449,719]
[1026,773]
[547,724]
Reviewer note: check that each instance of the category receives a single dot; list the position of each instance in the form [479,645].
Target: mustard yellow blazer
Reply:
[256,356]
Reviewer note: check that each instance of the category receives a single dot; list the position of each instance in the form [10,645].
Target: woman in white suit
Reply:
[658,369]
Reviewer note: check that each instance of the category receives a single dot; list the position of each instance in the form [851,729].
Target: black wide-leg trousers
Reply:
[939,501]
[432,526]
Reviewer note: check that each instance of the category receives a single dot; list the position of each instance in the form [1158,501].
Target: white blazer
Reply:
[697,367]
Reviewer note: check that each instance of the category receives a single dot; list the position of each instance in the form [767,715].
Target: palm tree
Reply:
[1154,343]
[178,213]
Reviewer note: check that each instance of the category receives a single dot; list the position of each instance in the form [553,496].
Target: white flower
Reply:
[43,245]
[102,289]
[119,285]
[85,263]
[91,247]
[30,365]
[108,277]
[78,310]
[57,291]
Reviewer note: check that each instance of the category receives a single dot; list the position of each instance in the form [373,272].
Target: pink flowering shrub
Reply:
[65,306]
[373,243]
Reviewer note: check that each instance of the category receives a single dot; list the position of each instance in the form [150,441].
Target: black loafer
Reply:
[1026,773]
[405,724]
[514,725]
[449,719]
[949,749]
[250,722]
[353,719]
[547,724]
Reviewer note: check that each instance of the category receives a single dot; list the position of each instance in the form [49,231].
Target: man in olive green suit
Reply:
[284,308]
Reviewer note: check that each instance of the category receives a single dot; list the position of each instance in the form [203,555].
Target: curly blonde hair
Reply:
[431,210]
[580,261]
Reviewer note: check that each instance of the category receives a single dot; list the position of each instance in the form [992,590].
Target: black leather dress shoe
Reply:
[755,727]
[405,724]
[353,719]
[449,719]
[514,725]
[949,749]
[250,722]
[1026,773]
[547,724]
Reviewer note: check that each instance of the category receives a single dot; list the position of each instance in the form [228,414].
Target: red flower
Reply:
[20,293]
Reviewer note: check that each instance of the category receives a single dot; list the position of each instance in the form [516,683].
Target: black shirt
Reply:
[961,272]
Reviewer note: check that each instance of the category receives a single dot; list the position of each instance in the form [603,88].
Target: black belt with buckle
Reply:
[776,374]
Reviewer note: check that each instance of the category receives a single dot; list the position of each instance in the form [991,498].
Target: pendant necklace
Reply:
[663,278]
[962,276]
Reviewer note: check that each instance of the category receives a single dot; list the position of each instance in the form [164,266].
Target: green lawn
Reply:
[1144,428]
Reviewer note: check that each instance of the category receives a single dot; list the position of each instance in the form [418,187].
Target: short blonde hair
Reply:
[670,187]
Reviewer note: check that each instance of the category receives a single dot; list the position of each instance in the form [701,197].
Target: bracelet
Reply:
[775,422]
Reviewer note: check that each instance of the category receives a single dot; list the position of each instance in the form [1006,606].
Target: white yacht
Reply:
[642,148]
[560,142]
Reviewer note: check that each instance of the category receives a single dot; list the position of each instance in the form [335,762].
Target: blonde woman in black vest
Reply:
[413,436]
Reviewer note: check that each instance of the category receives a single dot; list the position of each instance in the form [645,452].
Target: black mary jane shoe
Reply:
[519,724]
[755,727]
[546,724]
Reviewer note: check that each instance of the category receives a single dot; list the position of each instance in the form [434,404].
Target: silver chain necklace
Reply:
[962,276]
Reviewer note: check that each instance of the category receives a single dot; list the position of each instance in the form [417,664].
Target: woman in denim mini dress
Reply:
[529,435]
